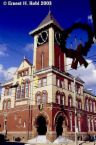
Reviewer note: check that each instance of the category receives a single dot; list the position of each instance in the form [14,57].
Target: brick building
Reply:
[43,93]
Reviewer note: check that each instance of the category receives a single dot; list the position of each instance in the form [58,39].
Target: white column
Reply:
[35,46]
[51,47]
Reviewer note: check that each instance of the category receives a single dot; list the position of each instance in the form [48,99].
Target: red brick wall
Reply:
[16,118]
[45,49]
[57,52]
[1,121]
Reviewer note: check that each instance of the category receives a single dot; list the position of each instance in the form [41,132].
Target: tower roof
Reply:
[48,20]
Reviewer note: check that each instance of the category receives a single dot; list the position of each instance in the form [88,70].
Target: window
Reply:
[70,101]
[58,82]
[26,72]
[86,105]
[44,81]
[39,83]
[44,98]
[58,99]
[10,91]
[23,73]
[22,91]
[27,89]
[8,104]
[20,120]
[42,60]
[88,124]
[38,100]
[18,93]
[79,104]
[90,105]
[69,86]
[62,100]
[78,89]
[24,125]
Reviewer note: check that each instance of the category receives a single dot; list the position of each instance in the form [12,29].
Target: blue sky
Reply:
[17,21]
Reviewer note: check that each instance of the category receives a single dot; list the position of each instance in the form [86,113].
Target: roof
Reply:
[49,19]
[88,92]
[27,61]
[79,79]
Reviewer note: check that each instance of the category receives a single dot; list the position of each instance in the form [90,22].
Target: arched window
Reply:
[62,98]
[38,100]
[22,90]
[70,103]
[79,104]
[87,104]
[18,92]
[44,97]
[8,104]
[58,99]
[42,60]
[90,105]
[4,105]
[27,89]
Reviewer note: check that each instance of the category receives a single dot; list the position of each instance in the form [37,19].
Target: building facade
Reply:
[42,94]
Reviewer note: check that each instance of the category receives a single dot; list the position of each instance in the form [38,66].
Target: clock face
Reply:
[42,37]
[58,37]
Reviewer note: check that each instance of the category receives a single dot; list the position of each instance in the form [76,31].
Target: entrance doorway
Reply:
[41,125]
[59,125]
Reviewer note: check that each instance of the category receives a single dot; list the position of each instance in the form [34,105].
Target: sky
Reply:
[17,21]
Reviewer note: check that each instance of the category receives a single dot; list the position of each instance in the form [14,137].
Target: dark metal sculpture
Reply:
[81,51]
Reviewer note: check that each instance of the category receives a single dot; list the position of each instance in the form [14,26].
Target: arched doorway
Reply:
[41,125]
[59,125]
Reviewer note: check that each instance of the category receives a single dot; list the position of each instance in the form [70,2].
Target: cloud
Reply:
[3,50]
[90,18]
[6,74]
[29,47]
[88,75]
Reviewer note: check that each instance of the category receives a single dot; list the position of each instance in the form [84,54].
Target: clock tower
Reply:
[47,51]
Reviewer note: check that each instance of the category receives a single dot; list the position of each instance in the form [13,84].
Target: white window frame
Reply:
[38,100]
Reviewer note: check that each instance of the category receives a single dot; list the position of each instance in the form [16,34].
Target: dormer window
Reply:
[23,73]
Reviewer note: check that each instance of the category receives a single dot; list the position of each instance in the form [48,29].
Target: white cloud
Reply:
[6,74]
[3,50]
[90,18]
[29,47]
[88,75]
